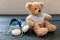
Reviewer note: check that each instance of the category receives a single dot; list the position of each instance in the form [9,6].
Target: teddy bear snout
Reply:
[39,10]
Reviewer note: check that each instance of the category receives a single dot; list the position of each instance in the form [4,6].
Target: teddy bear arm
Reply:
[29,22]
[48,16]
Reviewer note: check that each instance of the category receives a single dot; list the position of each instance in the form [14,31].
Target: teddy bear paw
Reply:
[51,28]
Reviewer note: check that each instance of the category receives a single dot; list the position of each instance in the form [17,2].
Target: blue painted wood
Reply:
[30,35]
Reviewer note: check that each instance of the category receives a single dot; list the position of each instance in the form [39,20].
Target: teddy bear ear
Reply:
[28,5]
[42,4]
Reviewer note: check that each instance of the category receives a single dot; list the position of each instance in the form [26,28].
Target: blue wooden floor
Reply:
[4,26]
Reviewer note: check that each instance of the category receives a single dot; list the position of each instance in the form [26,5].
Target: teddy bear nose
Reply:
[39,10]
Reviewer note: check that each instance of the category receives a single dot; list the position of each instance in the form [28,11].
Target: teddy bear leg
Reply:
[40,31]
[50,26]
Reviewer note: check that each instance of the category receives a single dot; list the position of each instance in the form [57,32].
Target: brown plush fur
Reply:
[43,28]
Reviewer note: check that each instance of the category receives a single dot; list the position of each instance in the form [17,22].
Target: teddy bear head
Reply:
[34,8]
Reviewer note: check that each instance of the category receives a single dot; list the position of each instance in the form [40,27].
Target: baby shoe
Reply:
[24,26]
[15,24]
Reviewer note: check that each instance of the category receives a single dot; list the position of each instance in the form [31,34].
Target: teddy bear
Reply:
[38,20]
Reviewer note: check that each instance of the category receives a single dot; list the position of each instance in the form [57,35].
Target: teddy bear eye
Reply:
[35,8]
